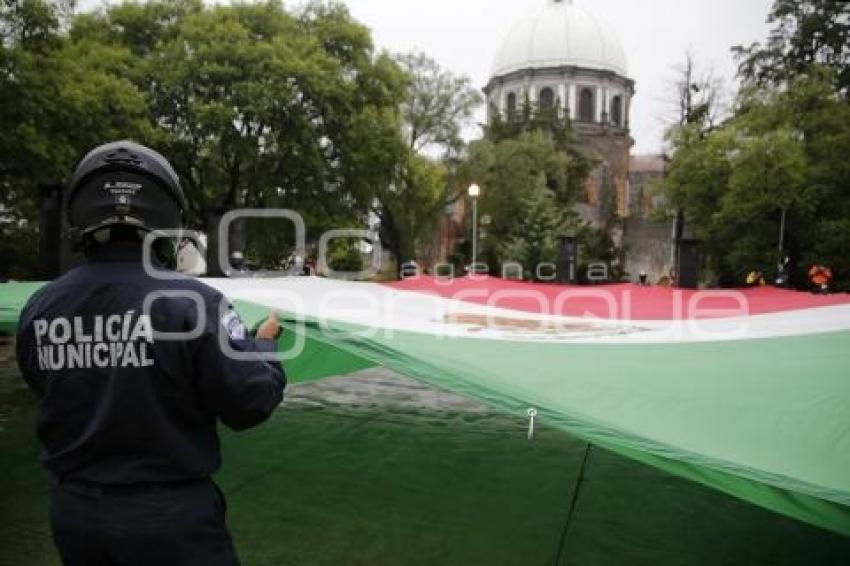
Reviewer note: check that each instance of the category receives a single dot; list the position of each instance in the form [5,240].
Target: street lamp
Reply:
[474,192]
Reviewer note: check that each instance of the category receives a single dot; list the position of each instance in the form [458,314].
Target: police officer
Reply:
[133,366]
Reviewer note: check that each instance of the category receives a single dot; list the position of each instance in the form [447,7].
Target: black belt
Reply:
[135,487]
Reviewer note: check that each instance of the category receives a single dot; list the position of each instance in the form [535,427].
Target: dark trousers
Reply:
[163,525]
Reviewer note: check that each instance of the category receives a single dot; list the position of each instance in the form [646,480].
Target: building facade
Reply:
[561,57]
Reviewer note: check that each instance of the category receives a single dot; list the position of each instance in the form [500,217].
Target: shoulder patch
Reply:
[234,325]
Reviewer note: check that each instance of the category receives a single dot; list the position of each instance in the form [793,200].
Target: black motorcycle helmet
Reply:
[123,184]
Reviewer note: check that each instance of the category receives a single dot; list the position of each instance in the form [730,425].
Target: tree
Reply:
[806,33]
[410,209]
[532,173]
[698,94]
[766,186]
[254,105]
[819,117]
[261,108]
[568,167]
[528,195]
[438,106]
[772,179]
[774,174]
[538,224]
[698,109]
[57,100]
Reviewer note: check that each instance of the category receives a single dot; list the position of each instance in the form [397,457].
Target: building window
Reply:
[511,105]
[586,111]
[617,111]
[547,99]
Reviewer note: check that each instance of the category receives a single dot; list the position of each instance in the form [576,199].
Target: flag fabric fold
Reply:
[747,392]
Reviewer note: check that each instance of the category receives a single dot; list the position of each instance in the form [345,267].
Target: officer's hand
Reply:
[270,329]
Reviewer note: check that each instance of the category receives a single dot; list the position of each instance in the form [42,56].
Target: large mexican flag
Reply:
[747,392]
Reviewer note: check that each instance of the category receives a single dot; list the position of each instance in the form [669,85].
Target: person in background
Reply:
[755,279]
[820,277]
[783,273]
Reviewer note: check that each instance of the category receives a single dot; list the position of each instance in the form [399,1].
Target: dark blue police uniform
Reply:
[129,401]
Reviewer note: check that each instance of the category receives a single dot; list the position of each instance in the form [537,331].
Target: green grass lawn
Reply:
[338,485]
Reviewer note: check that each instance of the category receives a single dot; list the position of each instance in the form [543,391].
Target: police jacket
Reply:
[133,372]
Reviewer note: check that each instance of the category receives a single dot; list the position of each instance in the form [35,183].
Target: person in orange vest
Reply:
[820,276]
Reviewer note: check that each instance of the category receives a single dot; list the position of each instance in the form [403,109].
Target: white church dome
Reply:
[561,34]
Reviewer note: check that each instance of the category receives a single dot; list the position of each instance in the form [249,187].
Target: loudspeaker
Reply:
[688,264]
[50,232]
[567,259]
[57,254]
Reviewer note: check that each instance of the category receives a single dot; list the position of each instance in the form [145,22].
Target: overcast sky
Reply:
[464,36]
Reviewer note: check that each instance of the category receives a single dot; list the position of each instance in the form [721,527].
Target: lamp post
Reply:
[474,192]
[782,231]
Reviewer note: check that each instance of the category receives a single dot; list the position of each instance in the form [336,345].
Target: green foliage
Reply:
[597,247]
[798,88]
[18,249]
[439,104]
[531,173]
[538,223]
[436,107]
[806,33]
[783,151]
[255,106]
[261,107]
[555,123]
[528,186]
[266,243]
[345,255]
[58,99]
[409,209]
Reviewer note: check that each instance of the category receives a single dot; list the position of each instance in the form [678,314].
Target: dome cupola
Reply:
[560,34]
